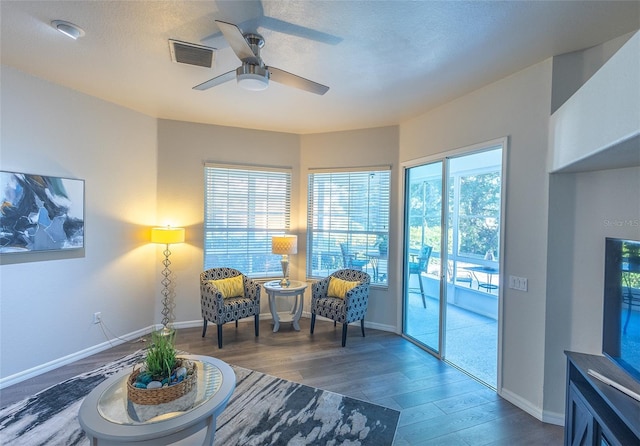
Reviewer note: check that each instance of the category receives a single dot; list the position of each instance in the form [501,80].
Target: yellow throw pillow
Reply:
[339,287]
[231,287]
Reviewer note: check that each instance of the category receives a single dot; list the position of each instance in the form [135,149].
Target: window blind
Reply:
[244,207]
[348,211]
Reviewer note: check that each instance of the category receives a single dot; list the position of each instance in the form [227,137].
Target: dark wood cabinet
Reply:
[596,413]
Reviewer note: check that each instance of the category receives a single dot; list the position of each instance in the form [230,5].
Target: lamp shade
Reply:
[167,235]
[284,244]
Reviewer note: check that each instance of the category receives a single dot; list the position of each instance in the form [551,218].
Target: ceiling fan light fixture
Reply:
[252,77]
[68,29]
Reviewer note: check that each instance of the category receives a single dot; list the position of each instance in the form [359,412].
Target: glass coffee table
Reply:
[109,418]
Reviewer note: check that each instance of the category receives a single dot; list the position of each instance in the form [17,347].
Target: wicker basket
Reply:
[150,397]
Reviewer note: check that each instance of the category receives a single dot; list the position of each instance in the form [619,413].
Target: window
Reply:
[475,200]
[244,207]
[348,221]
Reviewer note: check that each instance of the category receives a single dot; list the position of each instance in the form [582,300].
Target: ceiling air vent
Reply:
[191,54]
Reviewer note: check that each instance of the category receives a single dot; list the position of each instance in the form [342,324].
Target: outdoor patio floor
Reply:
[471,339]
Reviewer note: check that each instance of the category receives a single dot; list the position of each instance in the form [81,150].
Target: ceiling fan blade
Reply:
[299,31]
[216,80]
[291,80]
[237,42]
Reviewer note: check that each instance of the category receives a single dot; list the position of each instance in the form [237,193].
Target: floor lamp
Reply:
[285,245]
[167,236]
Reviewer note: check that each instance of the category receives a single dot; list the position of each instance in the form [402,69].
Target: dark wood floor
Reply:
[439,405]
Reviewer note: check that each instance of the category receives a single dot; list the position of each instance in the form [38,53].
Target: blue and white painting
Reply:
[40,213]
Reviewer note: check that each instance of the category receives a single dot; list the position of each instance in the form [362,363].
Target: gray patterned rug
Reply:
[263,410]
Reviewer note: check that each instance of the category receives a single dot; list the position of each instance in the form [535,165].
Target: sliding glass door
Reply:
[423,240]
[453,208]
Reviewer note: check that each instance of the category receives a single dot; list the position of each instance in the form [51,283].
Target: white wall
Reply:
[141,172]
[585,209]
[127,160]
[183,148]
[572,70]
[48,304]
[518,107]
[603,112]
[358,148]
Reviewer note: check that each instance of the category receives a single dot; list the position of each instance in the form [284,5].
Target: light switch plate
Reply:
[518,283]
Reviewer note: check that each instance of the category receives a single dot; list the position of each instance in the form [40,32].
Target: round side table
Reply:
[296,289]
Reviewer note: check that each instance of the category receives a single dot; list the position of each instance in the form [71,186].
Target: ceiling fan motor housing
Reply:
[252,77]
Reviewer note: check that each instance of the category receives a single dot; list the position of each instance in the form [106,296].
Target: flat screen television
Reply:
[621,323]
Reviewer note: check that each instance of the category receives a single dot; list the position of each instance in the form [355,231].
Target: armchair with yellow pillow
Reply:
[342,297]
[228,295]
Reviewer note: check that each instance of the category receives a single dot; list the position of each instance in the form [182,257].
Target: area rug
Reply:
[263,410]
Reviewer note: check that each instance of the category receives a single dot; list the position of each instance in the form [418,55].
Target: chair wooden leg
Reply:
[313,322]
[344,334]
[219,335]
[362,326]
[236,323]
[256,323]
[204,327]
[334,323]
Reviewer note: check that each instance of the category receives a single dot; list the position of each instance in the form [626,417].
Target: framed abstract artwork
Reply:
[40,213]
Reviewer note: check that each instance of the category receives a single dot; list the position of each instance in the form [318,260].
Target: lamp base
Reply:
[284,283]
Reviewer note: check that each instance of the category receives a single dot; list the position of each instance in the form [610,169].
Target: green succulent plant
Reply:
[161,356]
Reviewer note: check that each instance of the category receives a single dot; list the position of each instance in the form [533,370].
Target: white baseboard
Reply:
[188,324]
[553,418]
[51,365]
[267,316]
[544,416]
[523,404]
[373,325]
[198,322]
[381,327]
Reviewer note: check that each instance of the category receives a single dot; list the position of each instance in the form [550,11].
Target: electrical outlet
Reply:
[97,317]
[518,283]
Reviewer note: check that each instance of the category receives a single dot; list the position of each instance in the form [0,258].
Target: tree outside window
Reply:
[479,216]
[473,217]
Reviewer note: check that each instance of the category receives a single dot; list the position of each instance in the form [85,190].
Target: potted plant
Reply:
[161,356]
[163,376]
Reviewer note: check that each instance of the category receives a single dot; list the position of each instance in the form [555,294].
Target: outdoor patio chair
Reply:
[349,260]
[462,275]
[418,266]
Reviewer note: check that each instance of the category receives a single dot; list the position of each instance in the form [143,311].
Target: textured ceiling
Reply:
[384,61]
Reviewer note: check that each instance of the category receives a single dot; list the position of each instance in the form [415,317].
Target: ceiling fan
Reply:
[253,74]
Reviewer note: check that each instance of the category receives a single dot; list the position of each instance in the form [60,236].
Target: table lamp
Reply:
[285,245]
[167,236]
